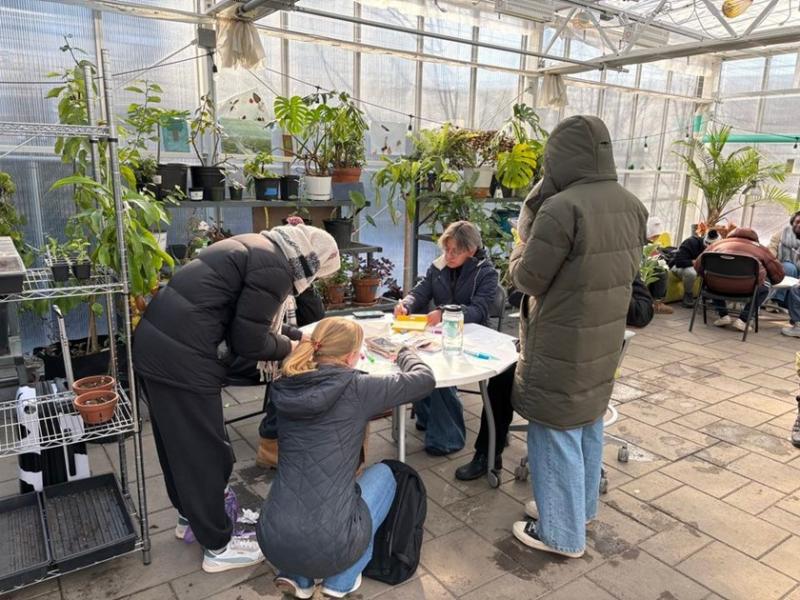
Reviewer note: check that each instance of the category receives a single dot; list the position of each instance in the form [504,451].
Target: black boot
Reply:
[477,467]
[688,300]
[796,428]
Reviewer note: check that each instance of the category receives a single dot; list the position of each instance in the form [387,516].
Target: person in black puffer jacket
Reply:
[319,520]
[233,292]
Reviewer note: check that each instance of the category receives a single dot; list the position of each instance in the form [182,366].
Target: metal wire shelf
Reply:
[39,285]
[53,129]
[46,417]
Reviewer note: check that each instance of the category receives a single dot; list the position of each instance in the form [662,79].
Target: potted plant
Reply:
[334,288]
[290,187]
[347,141]
[309,121]
[513,163]
[723,177]
[235,189]
[653,270]
[341,228]
[58,258]
[11,222]
[96,407]
[210,175]
[79,253]
[141,126]
[263,180]
[368,277]
[484,147]
[93,383]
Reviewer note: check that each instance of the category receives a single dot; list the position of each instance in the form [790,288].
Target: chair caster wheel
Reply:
[604,485]
[622,454]
[521,473]
[494,479]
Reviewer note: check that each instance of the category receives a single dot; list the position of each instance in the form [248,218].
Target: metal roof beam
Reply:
[631,16]
[760,18]
[769,37]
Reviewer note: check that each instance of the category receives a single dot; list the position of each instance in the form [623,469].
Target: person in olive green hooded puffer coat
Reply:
[582,236]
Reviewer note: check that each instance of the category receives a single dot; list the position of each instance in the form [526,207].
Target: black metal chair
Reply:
[734,269]
[498,308]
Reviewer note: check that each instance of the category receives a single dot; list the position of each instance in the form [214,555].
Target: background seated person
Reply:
[682,262]
[640,313]
[461,275]
[743,241]
[785,246]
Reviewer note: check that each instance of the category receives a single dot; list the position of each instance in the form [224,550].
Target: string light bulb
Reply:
[795,143]
[410,121]
[646,147]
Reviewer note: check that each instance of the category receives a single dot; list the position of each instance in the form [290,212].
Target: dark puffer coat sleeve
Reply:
[382,392]
[263,293]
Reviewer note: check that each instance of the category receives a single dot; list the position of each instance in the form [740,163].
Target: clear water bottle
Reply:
[452,329]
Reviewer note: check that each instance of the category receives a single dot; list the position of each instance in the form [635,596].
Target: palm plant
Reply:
[723,177]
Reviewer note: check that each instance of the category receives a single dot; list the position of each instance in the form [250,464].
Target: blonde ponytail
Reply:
[332,341]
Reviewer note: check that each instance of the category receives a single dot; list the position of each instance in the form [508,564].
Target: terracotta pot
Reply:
[351,175]
[96,407]
[94,383]
[335,294]
[366,290]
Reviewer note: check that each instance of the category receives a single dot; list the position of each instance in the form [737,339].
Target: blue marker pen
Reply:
[481,355]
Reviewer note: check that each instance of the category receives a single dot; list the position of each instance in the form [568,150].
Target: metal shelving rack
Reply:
[39,285]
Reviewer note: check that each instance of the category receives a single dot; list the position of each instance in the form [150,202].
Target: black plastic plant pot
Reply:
[235,193]
[341,230]
[82,270]
[207,177]
[172,175]
[290,187]
[178,251]
[215,194]
[267,189]
[60,271]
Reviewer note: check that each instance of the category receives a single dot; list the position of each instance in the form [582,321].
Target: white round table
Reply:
[449,371]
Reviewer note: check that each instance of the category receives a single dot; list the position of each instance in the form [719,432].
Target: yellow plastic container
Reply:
[410,323]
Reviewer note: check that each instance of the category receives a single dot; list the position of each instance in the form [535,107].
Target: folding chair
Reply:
[733,270]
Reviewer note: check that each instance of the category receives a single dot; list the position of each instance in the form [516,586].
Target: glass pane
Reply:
[386,38]
[653,78]
[641,186]
[21,23]
[581,101]
[314,65]
[781,71]
[669,203]
[328,27]
[739,113]
[616,114]
[582,50]
[389,82]
[741,75]
[496,92]
[647,131]
[445,94]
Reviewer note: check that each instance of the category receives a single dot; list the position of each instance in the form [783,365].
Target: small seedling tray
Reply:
[87,521]
[12,269]
[24,554]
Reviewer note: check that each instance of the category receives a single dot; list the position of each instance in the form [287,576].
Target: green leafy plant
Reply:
[11,222]
[204,124]
[310,121]
[376,268]
[57,251]
[448,147]
[141,127]
[258,167]
[516,167]
[653,265]
[404,179]
[722,177]
[347,134]
[78,250]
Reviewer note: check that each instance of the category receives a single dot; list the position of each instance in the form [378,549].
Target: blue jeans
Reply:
[565,468]
[781,295]
[793,304]
[442,416]
[378,487]
[761,295]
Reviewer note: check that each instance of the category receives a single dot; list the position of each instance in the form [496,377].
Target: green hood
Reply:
[578,151]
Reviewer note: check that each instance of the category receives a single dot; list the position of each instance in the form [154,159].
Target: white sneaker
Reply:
[181,527]
[741,325]
[334,594]
[532,511]
[525,532]
[793,331]
[289,586]
[723,321]
[240,552]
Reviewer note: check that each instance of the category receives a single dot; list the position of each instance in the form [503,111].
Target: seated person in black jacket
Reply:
[682,262]
[640,313]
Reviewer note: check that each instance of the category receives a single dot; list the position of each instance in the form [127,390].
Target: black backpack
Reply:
[398,541]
